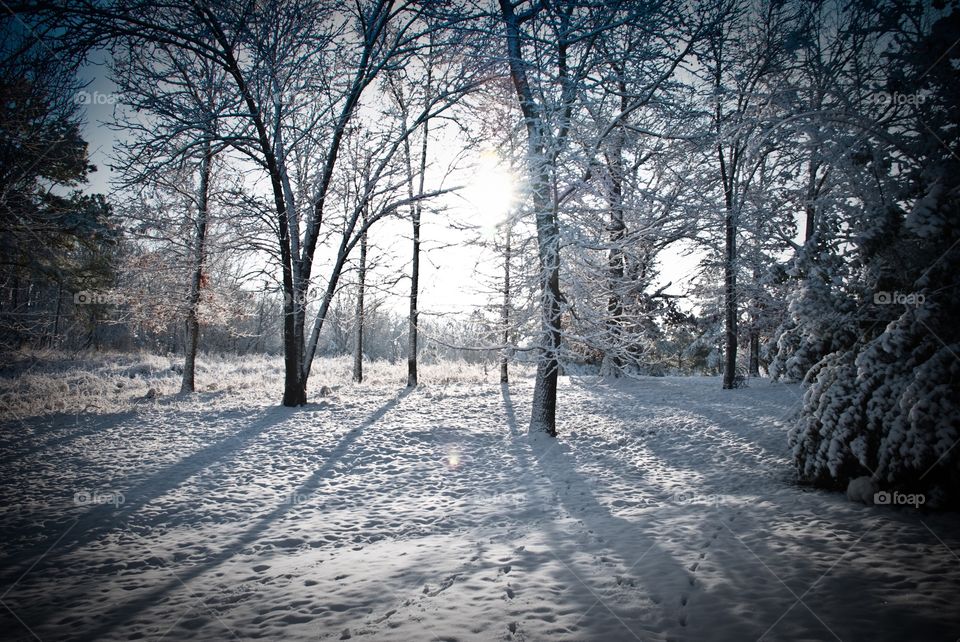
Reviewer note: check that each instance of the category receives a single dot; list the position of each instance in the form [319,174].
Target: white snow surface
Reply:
[665,510]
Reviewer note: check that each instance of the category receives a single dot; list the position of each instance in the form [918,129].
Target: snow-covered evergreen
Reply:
[883,400]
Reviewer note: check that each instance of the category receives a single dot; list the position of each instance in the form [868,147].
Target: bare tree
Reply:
[360,310]
[551,50]
[196,278]
[542,151]
[415,176]
[505,312]
[742,57]
[296,73]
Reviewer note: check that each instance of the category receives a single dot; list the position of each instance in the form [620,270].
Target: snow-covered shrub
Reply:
[890,410]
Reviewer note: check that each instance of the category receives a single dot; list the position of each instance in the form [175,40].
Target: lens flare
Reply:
[453,458]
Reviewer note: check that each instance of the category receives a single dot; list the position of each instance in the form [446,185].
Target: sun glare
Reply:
[491,191]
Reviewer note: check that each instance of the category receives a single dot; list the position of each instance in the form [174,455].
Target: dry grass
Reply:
[42,382]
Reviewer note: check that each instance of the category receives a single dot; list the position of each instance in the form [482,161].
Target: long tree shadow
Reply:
[104,518]
[737,435]
[763,545]
[628,540]
[121,613]
[53,431]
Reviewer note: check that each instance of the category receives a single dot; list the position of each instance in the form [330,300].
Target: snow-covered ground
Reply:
[665,511]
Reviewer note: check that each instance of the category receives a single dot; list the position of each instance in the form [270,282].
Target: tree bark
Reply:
[414,311]
[730,299]
[543,412]
[415,212]
[505,310]
[617,230]
[361,312]
[196,277]
[729,258]
[54,340]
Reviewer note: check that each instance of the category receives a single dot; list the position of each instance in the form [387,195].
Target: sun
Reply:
[491,190]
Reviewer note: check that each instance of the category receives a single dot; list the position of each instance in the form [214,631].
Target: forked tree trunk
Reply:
[196,277]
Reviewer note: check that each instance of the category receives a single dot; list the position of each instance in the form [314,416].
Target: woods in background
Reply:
[801,157]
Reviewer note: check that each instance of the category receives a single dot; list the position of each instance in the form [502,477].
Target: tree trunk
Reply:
[727,182]
[414,292]
[56,319]
[730,301]
[505,310]
[294,383]
[729,266]
[294,374]
[260,311]
[543,414]
[412,347]
[196,278]
[754,369]
[810,206]
[361,285]
[617,231]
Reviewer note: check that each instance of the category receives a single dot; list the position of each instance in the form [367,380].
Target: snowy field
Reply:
[665,511]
